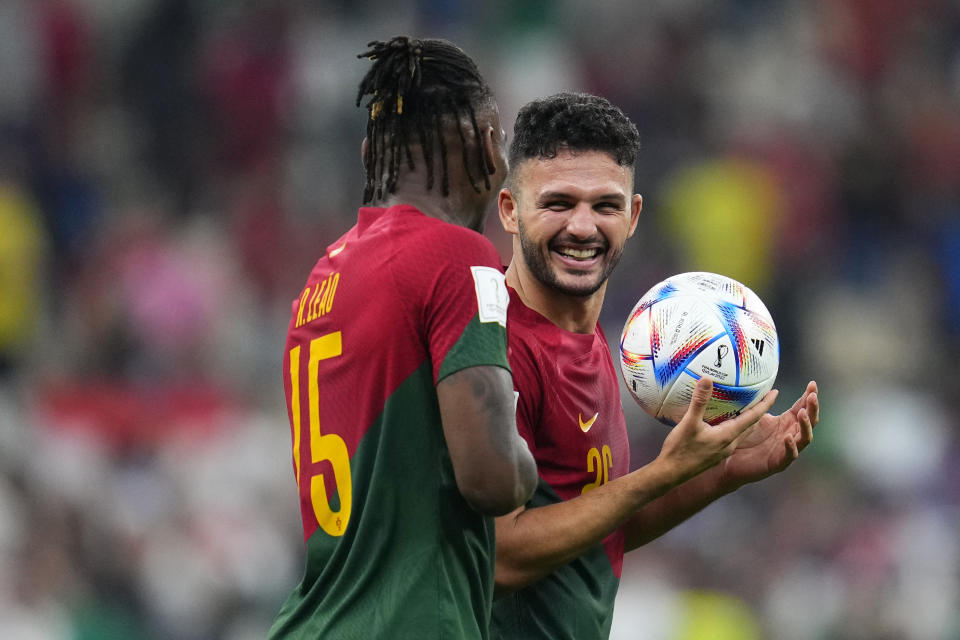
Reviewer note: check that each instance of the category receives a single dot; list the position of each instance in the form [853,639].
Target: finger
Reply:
[742,423]
[795,407]
[813,408]
[805,436]
[805,398]
[792,449]
[756,412]
[701,396]
[802,400]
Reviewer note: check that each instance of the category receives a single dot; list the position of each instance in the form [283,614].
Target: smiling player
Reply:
[570,206]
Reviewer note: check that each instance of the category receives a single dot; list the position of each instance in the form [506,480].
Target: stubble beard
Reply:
[537,262]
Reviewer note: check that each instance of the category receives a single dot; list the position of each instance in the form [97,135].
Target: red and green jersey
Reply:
[392,548]
[570,414]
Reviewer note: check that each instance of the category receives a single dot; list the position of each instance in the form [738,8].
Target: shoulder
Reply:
[526,333]
[414,222]
[528,329]
[422,239]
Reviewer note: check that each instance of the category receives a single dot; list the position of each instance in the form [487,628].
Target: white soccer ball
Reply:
[693,325]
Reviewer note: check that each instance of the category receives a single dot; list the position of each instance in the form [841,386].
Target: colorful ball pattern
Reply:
[693,325]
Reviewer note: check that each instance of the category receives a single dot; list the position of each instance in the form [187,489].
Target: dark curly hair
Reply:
[573,121]
[416,88]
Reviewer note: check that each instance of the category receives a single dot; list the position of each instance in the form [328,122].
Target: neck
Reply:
[573,313]
[458,207]
[447,209]
[462,206]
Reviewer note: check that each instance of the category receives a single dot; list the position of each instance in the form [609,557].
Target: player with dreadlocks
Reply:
[418,89]
[399,395]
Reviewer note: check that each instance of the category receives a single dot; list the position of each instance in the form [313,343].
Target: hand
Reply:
[773,443]
[694,446]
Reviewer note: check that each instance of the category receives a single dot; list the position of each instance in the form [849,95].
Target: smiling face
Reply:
[571,216]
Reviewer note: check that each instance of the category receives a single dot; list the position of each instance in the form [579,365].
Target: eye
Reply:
[557,205]
[608,207]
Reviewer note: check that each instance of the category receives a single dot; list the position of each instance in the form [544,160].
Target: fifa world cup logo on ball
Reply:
[721,352]
[706,318]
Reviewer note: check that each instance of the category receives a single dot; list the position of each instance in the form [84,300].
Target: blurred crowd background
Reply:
[171,169]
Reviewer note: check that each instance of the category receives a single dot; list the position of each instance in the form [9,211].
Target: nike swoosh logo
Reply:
[585,426]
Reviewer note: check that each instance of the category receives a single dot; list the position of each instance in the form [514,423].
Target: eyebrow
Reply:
[550,195]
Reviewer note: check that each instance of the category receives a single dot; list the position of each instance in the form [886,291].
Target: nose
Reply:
[582,223]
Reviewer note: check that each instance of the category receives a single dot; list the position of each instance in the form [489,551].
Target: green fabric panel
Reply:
[416,560]
[575,602]
[481,343]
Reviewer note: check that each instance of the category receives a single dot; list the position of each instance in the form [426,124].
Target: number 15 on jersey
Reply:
[322,447]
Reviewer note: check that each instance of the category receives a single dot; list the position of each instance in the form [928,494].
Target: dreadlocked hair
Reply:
[415,87]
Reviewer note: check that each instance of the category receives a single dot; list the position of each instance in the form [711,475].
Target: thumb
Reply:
[701,396]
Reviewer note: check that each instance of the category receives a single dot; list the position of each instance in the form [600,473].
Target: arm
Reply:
[494,468]
[769,448]
[532,543]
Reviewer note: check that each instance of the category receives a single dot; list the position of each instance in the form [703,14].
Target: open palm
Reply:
[773,443]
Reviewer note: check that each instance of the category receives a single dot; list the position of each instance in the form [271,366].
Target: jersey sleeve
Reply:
[528,384]
[453,277]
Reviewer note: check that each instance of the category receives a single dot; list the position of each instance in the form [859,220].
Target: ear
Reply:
[507,208]
[635,206]
[489,149]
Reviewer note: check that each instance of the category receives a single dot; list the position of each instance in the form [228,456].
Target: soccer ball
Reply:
[693,325]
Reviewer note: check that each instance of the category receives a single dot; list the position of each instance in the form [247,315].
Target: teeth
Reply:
[579,254]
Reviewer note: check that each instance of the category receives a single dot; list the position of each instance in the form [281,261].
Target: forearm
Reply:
[526,471]
[674,507]
[687,475]
[534,542]
[494,469]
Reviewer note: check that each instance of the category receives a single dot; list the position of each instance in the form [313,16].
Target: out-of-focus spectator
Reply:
[22,255]
[724,215]
[159,81]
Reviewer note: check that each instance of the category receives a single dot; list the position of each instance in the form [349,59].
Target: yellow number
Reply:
[322,447]
[593,463]
[607,463]
[599,462]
